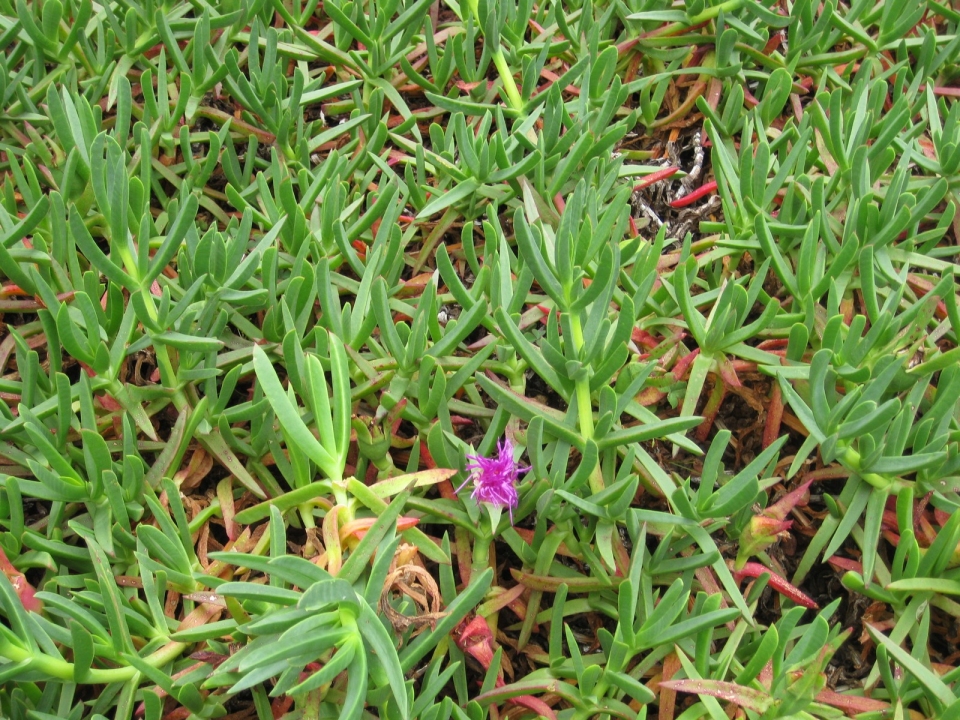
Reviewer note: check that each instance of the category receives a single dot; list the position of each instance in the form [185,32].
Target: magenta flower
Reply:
[494,479]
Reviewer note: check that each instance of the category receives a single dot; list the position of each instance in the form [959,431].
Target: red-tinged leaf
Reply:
[766,675]
[890,521]
[546,313]
[706,576]
[227,507]
[773,344]
[419,479]
[527,536]
[109,404]
[520,610]
[782,507]
[331,540]
[547,583]
[25,591]
[683,364]
[729,373]
[280,706]
[538,706]
[501,598]
[759,534]
[12,289]
[940,516]
[891,537]
[533,315]
[925,531]
[360,527]
[650,396]
[771,429]
[945,91]
[851,704]
[642,337]
[668,696]
[551,79]
[710,410]
[212,605]
[745,697]
[714,91]
[846,564]
[771,526]
[415,285]
[468,86]
[922,287]
[778,583]
[5,565]
[477,641]
[87,369]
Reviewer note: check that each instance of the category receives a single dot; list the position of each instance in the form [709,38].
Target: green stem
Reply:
[306,514]
[208,512]
[882,482]
[710,13]
[509,84]
[503,69]
[833,58]
[481,554]
[585,403]
[62,670]
[714,11]
[168,376]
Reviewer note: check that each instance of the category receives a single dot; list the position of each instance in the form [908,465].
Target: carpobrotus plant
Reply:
[274,272]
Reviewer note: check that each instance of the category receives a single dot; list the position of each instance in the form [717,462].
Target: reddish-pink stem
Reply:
[655,177]
[771,430]
[690,199]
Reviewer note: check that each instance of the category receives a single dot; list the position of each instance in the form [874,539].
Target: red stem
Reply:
[711,409]
[771,430]
[655,177]
[690,199]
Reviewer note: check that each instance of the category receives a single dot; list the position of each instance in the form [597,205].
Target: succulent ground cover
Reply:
[427,359]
